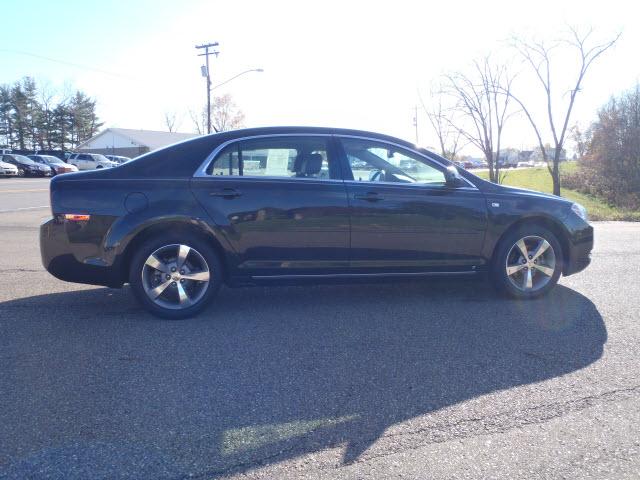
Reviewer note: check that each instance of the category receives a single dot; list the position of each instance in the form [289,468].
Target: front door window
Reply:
[379,162]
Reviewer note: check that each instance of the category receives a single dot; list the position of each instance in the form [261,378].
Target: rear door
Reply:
[85,162]
[404,218]
[80,161]
[281,202]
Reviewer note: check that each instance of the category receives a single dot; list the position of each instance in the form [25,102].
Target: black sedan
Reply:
[26,166]
[298,204]
[57,166]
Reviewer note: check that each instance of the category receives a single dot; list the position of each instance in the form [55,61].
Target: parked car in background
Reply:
[118,159]
[8,169]
[467,164]
[325,204]
[90,161]
[26,166]
[478,163]
[57,165]
[528,164]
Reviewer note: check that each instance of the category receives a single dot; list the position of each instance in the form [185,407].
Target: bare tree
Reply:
[225,115]
[46,124]
[440,118]
[581,140]
[537,56]
[482,100]
[171,121]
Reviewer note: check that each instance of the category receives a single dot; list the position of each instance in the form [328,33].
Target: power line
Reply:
[65,62]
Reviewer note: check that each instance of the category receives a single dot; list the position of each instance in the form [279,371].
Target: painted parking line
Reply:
[23,208]
[14,180]
[25,190]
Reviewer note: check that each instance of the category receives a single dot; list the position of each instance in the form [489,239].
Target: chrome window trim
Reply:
[409,185]
[433,160]
[201,171]
[246,178]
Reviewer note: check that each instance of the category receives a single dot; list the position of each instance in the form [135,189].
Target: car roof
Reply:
[292,129]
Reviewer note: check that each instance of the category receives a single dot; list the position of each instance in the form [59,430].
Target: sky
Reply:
[354,64]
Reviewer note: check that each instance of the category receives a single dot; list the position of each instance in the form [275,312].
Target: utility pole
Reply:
[206,54]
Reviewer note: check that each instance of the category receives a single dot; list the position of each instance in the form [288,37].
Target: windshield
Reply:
[99,158]
[51,159]
[23,159]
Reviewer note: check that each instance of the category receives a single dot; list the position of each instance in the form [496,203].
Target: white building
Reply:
[130,143]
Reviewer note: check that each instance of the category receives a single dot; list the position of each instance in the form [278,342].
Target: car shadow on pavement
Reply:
[98,388]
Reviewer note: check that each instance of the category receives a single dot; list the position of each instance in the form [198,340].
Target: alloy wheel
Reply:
[175,276]
[530,264]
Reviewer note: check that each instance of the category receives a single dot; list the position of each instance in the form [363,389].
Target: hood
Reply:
[7,165]
[524,191]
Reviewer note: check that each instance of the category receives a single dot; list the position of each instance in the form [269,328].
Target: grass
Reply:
[538,178]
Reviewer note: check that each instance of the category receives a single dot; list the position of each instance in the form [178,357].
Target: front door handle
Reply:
[369,197]
[225,193]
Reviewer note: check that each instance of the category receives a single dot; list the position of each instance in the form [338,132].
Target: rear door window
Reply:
[279,157]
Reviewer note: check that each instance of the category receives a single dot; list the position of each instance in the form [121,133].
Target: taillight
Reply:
[76,217]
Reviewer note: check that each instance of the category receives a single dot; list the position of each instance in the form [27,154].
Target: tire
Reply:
[532,277]
[164,277]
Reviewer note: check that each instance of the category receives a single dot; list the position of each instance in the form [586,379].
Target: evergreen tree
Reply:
[61,126]
[32,113]
[19,113]
[33,118]
[6,118]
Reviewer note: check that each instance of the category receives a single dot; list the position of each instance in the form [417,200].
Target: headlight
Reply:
[580,211]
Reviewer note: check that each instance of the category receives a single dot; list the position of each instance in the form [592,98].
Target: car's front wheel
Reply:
[175,276]
[527,262]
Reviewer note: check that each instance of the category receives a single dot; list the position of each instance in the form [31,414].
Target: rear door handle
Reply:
[225,193]
[369,196]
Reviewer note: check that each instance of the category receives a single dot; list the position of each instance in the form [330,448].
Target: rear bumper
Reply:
[70,256]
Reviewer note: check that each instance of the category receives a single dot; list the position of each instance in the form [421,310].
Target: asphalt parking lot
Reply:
[414,380]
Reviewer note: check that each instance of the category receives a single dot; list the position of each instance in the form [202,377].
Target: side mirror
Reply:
[452,177]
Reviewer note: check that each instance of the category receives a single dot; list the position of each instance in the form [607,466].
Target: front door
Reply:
[404,218]
[281,203]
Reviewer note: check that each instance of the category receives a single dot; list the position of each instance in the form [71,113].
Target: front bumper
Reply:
[8,173]
[71,252]
[36,173]
[579,254]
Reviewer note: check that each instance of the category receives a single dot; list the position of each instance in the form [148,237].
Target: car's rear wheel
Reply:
[528,262]
[175,276]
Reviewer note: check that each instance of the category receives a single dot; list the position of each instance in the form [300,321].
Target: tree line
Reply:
[474,106]
[609,162]
[34,117]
